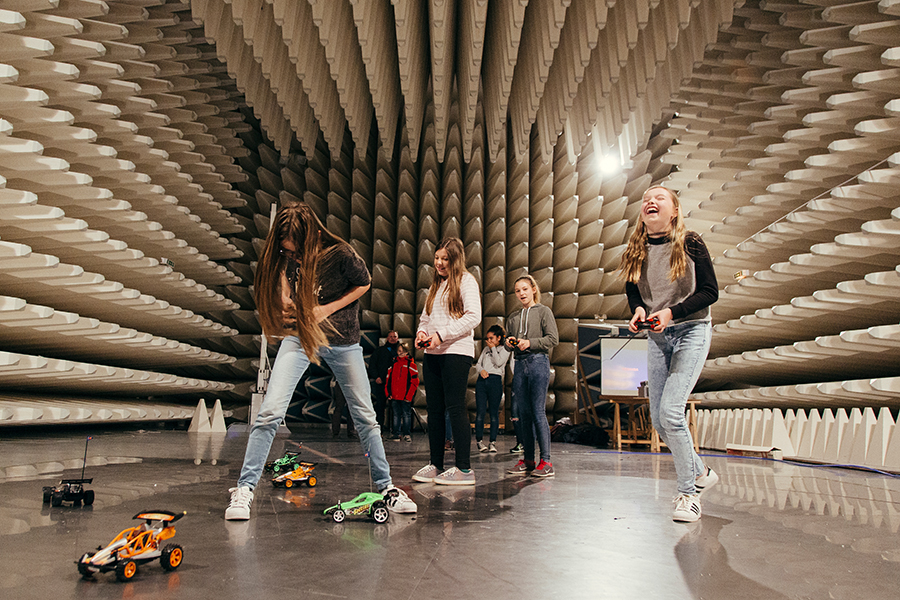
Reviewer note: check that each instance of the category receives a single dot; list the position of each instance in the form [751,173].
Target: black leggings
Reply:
[446,381]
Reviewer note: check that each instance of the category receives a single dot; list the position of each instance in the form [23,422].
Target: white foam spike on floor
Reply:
[798,428]
[726,424]
[778,436]
[804,448]
[833,446]
[789,418]
[735,418]
[881,437]
[217,421]
[848,436]
[822,433]
[861,436]
[762,422]
[200,420]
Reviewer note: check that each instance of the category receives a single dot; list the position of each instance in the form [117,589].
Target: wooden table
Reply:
[640,432]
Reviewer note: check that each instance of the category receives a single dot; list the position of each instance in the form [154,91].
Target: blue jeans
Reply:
[675,359]
[402,417]
[349,369]
[531,379]
[488,394]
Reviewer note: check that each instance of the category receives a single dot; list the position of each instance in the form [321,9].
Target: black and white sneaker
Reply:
[706,481]
[687,508]
[397,500]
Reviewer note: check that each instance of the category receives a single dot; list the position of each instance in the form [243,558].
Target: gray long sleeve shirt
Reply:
[493,360]
[537,325]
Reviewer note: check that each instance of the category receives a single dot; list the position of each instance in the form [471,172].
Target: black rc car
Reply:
[69,490]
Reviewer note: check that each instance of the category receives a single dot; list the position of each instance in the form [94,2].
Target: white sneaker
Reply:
[239,509]
[492,447]
[481,446]
[426,474]
[706,481]
[397,500]
[687,508]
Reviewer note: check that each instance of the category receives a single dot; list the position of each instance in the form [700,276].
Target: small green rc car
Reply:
[289,462]
[368,503]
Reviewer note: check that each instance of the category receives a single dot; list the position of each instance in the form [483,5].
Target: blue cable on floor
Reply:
[788,460]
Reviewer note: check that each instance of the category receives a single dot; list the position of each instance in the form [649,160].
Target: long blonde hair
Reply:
[456,267]
[636,252]
[298,224]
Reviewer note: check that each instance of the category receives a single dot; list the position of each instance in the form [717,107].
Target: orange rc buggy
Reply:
[136,546]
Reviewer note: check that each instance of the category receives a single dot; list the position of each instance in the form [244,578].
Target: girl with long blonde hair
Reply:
[670,284]
[532,335]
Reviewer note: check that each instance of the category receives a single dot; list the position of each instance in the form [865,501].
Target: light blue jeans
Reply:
[675,359]
[349,369]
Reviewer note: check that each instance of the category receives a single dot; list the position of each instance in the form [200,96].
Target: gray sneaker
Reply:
[454,476]
[239,508]
[426,474]
[492,447]
[521,468]
[481,446]
[407,439]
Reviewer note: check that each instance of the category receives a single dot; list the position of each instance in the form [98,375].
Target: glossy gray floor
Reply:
[601,528]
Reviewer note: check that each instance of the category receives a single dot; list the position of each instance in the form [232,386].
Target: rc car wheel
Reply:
[338,516]
[126,570]
[288,483]
[83,569]
[312,481]
[276,468]
[88,497]
[380,513]
[48,491]
[56,499]
[171,557]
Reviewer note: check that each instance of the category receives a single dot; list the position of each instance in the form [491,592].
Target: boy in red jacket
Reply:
[400,389]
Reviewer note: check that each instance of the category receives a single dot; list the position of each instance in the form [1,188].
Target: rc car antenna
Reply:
[84,462]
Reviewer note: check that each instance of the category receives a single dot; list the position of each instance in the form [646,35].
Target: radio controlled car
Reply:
[71,490]
[135,546]
[367,503]
[290,461]
[302,474]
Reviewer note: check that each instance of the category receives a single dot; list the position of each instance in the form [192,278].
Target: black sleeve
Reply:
[706,289]
[634,297]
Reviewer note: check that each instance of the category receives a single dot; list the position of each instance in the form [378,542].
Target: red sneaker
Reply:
[544,469]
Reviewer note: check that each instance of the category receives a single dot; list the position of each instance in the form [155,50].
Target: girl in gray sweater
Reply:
[532,334]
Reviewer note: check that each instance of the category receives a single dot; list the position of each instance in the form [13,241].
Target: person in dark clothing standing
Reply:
[379,363]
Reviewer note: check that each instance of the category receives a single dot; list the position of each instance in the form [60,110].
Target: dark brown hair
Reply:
[298,224]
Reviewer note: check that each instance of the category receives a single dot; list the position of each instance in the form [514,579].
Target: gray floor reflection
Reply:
[601,528]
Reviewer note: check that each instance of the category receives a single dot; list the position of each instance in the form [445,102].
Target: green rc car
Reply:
[367,503]
[289,462]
